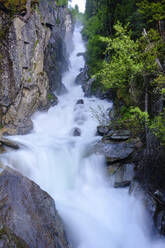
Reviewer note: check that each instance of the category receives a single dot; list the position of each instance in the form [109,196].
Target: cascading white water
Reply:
[95,214]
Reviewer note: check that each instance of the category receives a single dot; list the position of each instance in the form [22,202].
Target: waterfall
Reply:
[95,214]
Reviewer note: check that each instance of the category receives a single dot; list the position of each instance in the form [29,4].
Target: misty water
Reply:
[94,213]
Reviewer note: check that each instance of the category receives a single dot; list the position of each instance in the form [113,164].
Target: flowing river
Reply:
[95,214]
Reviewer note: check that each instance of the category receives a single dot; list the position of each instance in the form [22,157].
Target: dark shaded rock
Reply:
[83,77]
[115,152]
[119,137]
[76,131]
[56,56]
[81,54]
[102,130]
[2,149]
[160,221]
[122,184]
[154,203]
[87,87]
[9,143]
[80,101]
[28,217]
[110,94]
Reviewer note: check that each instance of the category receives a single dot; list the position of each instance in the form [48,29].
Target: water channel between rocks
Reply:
[95,214]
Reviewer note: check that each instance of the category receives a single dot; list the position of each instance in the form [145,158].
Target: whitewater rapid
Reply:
[95,214]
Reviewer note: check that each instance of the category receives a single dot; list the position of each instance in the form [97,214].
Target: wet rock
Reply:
[160,221]
[102,130]
[118,135]
[114,152]
[61,90]
[123,184]
[76,131]
[28,217]
[81,54]
[87,87]
[113,169]
[2,149]
[83,77]
[121,173]
[9,143]
[80,101]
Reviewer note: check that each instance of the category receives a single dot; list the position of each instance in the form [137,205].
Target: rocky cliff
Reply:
[32,59]
[28,215]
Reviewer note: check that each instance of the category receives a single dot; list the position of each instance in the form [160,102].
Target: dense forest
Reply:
[126,53]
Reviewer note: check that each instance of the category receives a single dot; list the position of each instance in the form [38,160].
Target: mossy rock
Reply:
[10,240]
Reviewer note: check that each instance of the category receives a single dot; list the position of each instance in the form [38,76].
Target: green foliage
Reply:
[61,3]
[49,96]
[92,27]
[58,21]
[134,119]
[152,10]
[124,63]
[95,55]
[14,7]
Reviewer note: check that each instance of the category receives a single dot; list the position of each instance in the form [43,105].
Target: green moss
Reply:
[29,80]
[35,66]
[49,96]
[61,3]
[14,241]
[58,20]
[36,43]
[41,73]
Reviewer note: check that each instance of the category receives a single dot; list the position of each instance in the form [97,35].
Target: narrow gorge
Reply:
[67,178]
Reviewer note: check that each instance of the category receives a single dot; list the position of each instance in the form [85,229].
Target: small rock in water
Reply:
[102,130]
[76,131]
[80,54]
[122,184]
[80,101]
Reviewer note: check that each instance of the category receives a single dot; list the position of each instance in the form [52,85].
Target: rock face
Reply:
[25,50]
[56,52]
[83,77]
[28,217]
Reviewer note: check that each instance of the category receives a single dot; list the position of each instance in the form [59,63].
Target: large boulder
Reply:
[115,151]
[82,77]
[28,217]
[87,87]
